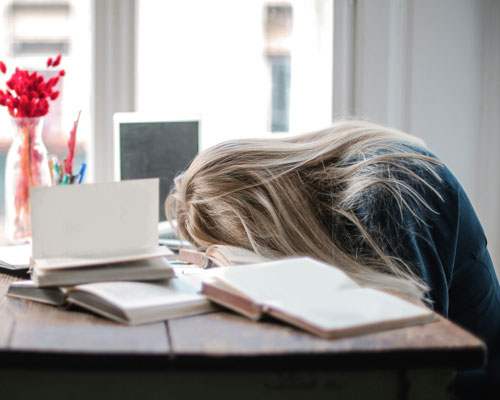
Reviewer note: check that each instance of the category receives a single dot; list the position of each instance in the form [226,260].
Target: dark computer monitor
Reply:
[154,148]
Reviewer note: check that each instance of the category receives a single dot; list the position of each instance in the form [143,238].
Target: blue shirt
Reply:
[445,246]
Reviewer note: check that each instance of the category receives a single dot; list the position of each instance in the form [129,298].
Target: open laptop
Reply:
[157,147]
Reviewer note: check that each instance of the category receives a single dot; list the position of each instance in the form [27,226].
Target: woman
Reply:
[370,200]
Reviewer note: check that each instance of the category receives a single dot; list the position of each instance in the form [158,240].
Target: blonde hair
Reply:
[301,195]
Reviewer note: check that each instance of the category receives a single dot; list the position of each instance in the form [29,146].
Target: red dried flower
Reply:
[57,61]
[30,92]
[68,162]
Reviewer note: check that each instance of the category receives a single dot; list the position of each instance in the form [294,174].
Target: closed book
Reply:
[74,272]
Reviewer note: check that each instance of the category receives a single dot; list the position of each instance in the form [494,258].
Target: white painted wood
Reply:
[445,82]
[487,168]
[343,53]
[399,64]
[113,77]
[371,59]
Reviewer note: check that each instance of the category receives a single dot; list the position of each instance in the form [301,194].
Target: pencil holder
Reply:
[26,167]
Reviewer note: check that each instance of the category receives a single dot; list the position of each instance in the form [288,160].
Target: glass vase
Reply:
[26,167]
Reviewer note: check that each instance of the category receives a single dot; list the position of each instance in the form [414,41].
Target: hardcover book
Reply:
[313,296]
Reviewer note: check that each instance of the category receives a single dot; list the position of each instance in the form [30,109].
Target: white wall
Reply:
[487,179]
[430,68]
[445,88]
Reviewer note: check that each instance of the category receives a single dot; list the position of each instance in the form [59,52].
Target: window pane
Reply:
[31,32]
[280,102]
[246,67]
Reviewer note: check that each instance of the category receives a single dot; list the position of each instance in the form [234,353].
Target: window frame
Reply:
[113,78]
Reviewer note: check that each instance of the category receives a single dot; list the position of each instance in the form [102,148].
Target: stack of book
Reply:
[96,246]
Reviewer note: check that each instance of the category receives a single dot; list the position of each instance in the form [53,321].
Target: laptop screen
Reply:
[154,149]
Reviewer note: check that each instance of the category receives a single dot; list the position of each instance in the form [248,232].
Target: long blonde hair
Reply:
[301,195]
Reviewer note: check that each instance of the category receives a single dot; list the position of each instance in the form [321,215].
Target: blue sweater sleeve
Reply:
[447,248]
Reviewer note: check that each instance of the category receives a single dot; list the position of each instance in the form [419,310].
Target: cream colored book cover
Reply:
[95,223]
[311,295]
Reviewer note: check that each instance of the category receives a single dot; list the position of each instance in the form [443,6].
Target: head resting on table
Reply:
[301,195]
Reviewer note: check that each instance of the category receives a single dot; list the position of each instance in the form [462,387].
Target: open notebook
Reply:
[311,295]
[93,232]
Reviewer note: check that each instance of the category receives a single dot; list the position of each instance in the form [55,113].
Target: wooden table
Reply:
[46,352]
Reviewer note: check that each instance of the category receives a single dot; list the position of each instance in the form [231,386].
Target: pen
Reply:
[58,171]
[61,172]
[51,171]
[65,180]
[82,172]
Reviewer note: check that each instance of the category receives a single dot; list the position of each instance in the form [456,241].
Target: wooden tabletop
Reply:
[31,332]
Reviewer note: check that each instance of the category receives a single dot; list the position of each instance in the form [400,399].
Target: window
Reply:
[278,29]
[51,34]
[30,32]
[247,68]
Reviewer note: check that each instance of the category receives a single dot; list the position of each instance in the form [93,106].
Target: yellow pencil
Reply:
[51,170]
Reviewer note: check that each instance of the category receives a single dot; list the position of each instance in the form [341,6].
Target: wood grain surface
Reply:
[224,337]
[30,326]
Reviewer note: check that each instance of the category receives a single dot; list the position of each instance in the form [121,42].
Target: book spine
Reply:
[193,257]
[236,303]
